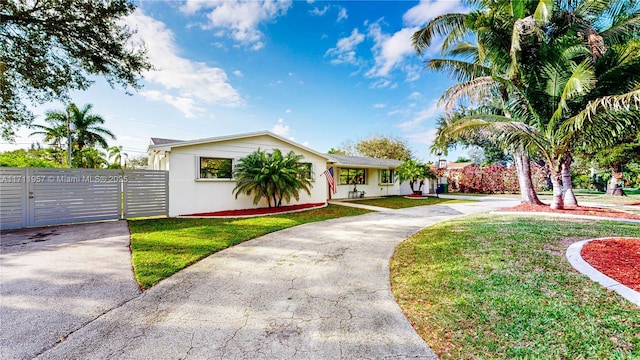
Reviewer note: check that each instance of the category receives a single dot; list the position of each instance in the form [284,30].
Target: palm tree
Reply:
[85,127]
[272,176]
[89,158]
[116,155]
[550,102]
[415,172]
[471,64]
[53,135]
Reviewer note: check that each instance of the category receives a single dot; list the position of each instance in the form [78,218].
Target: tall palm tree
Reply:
[548,90]
[272,176]
[474,63]
[85,127]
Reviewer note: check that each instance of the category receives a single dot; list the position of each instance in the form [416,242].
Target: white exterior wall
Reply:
[429,187]
[371,188]
[190,195]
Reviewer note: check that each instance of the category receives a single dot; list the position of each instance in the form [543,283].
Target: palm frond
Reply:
[473,91]
[458,69]
[441,25]
[582,80]
[544,10]
[629,102]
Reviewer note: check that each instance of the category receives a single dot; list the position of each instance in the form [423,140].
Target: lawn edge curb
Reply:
[578,263]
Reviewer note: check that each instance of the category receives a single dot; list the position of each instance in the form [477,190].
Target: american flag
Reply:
[330,179]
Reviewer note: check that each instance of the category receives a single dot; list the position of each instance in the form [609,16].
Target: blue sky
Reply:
[318,72]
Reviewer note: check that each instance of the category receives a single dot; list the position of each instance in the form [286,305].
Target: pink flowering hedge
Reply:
[492,179]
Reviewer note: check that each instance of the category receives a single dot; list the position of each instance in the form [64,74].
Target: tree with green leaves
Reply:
[89,158]
[43,158]
[384,147]
[557,93]
[415,172]
[48,48]
[86,129]
[116,156]
[272,176]
[491,25]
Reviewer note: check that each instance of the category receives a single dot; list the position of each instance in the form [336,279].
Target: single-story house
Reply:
[200,172]
[357,176]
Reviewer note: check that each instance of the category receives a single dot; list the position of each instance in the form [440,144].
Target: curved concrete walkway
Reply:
[319,290]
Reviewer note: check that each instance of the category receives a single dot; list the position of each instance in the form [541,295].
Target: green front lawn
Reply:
[400,202]
[489,286]
[161,247]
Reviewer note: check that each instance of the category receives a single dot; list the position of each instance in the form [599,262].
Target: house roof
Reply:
[160,141]
[362,161]
[168,144]
[458,166]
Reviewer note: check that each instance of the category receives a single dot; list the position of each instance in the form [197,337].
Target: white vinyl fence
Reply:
[44,196]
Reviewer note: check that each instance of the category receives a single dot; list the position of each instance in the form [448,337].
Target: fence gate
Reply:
[45,196]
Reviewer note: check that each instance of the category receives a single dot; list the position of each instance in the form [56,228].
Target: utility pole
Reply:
[69,140]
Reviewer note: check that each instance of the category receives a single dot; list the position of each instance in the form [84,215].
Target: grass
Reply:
[162,247]
[582,195]
[400,202]
[487,286]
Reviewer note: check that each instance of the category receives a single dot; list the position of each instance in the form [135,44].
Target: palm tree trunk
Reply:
[523,167]
[612,188]
[556,180]
[569,198]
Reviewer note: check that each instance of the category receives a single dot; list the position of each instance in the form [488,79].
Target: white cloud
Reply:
[319,12]
[379,106]
[423,137]
[186,105]
[415,95]
[342,14]
[344,52]
[426,10]
[288,111]
[238,73]
[185,83]
[239,19]
[428,113]
[280,128]
[389,50]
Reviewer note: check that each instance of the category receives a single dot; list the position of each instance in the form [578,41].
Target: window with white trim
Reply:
[353,176]
[215,168]
[307,170]
[387,176]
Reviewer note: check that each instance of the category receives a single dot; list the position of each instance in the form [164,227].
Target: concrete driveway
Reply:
[315,291]
[56,280]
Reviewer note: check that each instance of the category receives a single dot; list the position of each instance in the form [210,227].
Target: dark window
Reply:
[306,169]
[353,176]
[215,168]
[387,176]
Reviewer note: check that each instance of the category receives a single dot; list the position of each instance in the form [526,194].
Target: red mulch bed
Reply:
[618,258]
[259,211]
[580,210]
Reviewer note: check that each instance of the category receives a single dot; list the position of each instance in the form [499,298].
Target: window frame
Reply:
[311,172]
[199,173]
[392,175]
[350,179]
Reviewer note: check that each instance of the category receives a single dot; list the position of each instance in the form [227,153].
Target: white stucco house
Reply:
[200,172]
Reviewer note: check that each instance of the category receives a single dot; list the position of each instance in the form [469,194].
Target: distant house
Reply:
[200,172]
[357,176]
[453,172]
